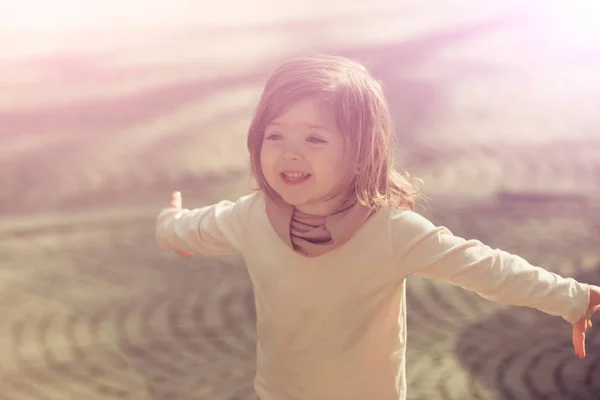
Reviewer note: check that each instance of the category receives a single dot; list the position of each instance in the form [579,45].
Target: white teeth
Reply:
[294,176]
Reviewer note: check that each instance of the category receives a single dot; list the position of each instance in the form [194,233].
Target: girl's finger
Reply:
[175,200]
[184,253]
[579,339]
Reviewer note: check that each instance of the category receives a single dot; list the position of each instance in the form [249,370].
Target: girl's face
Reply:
[302,159]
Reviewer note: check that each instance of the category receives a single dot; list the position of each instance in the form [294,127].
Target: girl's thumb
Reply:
[175,200]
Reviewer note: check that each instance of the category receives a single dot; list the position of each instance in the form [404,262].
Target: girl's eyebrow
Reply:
[311,126]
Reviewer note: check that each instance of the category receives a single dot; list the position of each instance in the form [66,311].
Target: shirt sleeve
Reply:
[211,230]
[434,252]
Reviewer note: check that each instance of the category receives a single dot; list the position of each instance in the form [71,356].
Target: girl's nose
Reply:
[291,153]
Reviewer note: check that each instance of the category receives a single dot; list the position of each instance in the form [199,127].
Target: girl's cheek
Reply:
[267,159]
[271,152]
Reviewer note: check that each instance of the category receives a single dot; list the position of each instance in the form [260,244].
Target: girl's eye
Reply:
[314,139]
[273,136]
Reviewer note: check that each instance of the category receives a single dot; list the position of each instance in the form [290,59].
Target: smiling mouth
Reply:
[294,178]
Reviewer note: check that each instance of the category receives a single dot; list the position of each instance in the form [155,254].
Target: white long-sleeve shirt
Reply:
[334,326]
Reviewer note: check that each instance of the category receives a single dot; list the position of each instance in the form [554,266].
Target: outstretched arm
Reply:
[423,249]
[211,230]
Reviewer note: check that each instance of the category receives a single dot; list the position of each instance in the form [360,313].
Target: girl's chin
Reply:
[294,201]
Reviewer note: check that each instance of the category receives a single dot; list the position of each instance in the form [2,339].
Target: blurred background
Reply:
[106,107]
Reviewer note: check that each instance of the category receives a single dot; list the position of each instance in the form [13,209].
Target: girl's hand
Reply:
[585,323]
[176,203]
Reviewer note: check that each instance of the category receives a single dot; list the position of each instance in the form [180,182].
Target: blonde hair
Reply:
[357,105]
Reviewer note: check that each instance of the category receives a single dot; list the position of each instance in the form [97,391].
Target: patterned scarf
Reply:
[315,235]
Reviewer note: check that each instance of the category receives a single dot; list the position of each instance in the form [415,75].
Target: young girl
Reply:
[331,236]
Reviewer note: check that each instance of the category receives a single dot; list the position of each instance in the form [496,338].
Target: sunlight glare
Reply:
[576,22]
[34,14]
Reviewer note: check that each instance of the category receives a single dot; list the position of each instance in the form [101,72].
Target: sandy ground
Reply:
[495,111]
